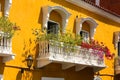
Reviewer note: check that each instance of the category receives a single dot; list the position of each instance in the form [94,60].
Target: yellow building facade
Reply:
[35,14]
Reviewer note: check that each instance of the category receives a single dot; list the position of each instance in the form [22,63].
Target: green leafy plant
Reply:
[7,27]
[68,40]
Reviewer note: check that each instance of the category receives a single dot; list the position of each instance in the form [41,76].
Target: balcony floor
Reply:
[7,56]
[66,64]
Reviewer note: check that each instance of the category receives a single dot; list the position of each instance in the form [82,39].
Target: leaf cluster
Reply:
[68,40]
[6,27]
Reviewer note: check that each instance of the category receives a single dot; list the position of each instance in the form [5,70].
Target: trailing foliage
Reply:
[67,38]
[70,41]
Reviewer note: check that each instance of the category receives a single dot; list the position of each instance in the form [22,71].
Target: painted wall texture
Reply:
[27,14]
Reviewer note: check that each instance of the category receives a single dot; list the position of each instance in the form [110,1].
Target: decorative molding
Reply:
[116,38]
[8,4]
[93,24]
[63,12]
[94,9]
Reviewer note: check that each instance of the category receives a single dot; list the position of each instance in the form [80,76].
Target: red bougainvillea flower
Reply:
[95,45]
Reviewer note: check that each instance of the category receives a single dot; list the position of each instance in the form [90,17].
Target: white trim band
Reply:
[94,9]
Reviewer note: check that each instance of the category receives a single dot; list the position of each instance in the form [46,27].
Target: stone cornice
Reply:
[94,9]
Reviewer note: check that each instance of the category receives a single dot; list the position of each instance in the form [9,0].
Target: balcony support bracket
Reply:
[67,65]
[80,67]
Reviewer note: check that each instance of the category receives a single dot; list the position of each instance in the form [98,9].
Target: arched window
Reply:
[63,13]
[86,26]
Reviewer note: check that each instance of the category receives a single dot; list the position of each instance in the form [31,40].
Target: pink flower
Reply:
[95,45]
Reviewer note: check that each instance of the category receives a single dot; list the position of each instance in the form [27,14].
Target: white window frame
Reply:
[93,25]
[86,36]
[63,12]
[55,23]
[8,4]
[1,77]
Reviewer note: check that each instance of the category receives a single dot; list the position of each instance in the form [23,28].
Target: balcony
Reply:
[5,47]
[117,65]
[69,56]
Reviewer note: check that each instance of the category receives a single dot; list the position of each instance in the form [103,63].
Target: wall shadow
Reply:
[55,70]
[36,55]
[74,27]
[19,76]
[36,74]
[2,65]
[40,21]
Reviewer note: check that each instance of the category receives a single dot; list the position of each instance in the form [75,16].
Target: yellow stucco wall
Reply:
[28,15]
